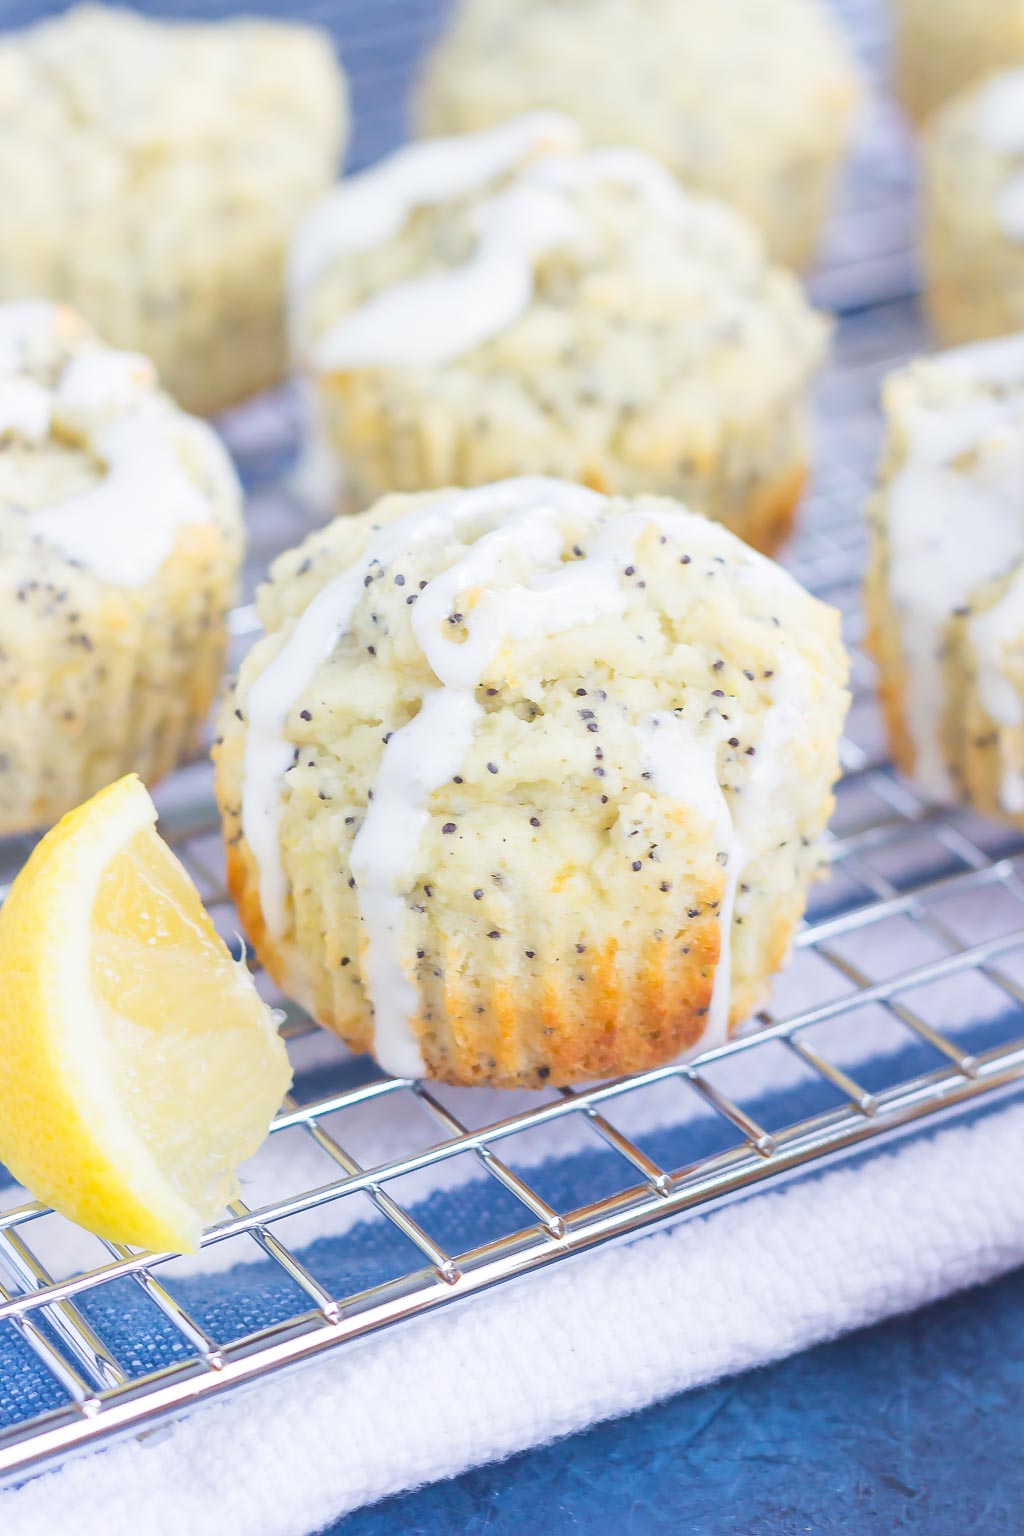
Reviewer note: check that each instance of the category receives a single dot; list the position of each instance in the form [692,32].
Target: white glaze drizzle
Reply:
[123,528]
[952,530]
[21,323]
[97,386]
[432,320]
[1000,127]
[422,756]
[268,753]
[405,788]
[682,765]
[1000,113]
[366,210]
[999,361]
[549,602]
[624,167]
[1010,208]
[24,409]
[418,759]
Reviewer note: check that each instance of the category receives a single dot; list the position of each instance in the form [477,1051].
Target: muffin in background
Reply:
[746,101]
[945,583]
[974,212]
[525,784]
[942,46]
[120,546]
[152,174]
[506,302]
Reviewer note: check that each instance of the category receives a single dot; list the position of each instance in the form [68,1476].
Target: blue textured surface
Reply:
[914,1426]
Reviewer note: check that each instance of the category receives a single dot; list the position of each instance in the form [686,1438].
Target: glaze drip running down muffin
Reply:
[152,175]
[525,784]
[746,101]
[506,302]
[120,545]
[945,586]
[974,212]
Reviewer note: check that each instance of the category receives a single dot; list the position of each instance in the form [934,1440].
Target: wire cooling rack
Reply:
[919,931]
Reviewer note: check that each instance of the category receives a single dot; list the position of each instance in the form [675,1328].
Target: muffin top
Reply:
[977,149]
[524,693]
[721,92]
[952,518]
[98,468]
[111,123]
[514,261]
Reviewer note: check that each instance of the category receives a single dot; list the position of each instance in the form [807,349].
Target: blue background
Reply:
[917,1426]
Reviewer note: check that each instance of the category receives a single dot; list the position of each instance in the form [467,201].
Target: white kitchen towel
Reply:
[604,1335]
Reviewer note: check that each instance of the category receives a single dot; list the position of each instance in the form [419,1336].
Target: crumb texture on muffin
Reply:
[483,306]
[151,176]
[526,784]
[974,212]
[945,585]
[744,101]
[120,544]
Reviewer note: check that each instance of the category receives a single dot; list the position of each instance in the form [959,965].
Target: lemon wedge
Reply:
[138,1064]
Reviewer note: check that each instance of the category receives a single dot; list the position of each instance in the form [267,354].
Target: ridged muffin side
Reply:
[944,589]
[973,236]
[510,303]
[116,570]
[561,904]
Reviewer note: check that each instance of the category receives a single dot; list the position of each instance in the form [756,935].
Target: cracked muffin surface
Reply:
[525,784]
[151,175]
[508,302]
[120,547]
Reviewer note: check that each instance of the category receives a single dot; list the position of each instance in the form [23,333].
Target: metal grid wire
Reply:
[921,904]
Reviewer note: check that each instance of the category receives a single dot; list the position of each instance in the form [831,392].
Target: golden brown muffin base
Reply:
[634,1015]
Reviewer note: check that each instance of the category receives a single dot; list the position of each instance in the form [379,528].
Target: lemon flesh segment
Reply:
[138,1064]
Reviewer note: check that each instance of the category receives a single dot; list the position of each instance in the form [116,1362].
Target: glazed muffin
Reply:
[748,102]
[944,45]
[525,784]
[974,212]
[505,302]
[120,545]
[945,585]
[152,175]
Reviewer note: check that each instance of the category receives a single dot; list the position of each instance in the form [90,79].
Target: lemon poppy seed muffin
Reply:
[974,212]
[525,784]
[120,544]
[505,302]
[742,100]
[942,46]
[945,585]
[151,176]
